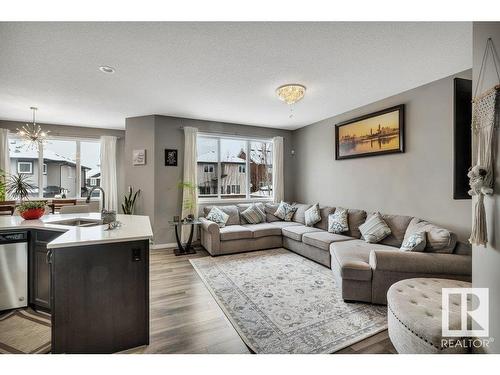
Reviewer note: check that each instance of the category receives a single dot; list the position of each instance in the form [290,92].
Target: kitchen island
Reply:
[93,281]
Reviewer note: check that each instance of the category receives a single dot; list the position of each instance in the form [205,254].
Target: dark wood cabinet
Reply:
[100,297]
[39,268]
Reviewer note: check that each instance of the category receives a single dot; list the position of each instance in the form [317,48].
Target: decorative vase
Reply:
[33,214]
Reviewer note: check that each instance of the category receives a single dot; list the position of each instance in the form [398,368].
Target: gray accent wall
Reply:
[161,199]
[418,182]
[486,260]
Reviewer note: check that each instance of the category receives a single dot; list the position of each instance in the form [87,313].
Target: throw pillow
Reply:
[312,215]
[337,222]
[218,216]
[374,229]
[415,242]
[285,211]
[253,215]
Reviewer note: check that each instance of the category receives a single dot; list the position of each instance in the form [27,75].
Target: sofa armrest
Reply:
[424,263]
[209,226]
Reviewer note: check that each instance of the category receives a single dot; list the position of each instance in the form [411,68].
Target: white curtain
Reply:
[189,193]
[108,172]
[4,151]
[278,178]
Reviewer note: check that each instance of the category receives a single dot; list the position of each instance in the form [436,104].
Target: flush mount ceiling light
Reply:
[291,94]
[107,69]
[33,134]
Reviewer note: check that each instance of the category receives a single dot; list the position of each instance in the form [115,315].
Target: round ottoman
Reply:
[414,313]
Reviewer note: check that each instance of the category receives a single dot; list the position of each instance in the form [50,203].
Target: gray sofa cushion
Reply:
[322,240]
[243,206]
[324,212]
[398,225]
[232,211]
[235,232]
[439,240]
[353,258]
[296,232]
[300,214]
[284,224]
[270,209]
[263,229]
[355,218]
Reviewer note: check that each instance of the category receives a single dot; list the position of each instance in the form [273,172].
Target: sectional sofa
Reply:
[364,270]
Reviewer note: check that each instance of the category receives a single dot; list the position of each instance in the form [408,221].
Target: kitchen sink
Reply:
[78,222]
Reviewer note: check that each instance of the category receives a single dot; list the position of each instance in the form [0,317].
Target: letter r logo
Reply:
[465,312]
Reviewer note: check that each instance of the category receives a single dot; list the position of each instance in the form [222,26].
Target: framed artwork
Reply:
[170,158]
[139,157]
[377,133]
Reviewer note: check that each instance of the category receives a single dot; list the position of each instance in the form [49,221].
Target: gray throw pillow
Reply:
[374,229]
[218,216]
[285,211]
[338,221]
[253,215]
[415,242]
[312,215]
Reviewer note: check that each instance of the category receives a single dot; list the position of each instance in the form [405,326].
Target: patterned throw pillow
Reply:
[416,242]
[254,215]
[374,229]
[337,222]
[285,211]
[312,215]
[218,216]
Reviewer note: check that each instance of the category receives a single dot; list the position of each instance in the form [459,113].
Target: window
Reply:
[231,167]
[25,167]
[67,164]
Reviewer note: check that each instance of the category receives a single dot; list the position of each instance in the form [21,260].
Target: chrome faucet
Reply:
[103,195]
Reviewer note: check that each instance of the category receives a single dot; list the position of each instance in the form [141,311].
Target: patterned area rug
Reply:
[24,331]
[280,302]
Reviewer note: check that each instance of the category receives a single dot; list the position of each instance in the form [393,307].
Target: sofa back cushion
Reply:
[232,211]
[300,213]
[398,225]
[463,248]
[243,206]
[439,240]
[270,209]
[324,212]
[356,218]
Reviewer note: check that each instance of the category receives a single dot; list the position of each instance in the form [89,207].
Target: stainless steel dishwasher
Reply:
[13,270]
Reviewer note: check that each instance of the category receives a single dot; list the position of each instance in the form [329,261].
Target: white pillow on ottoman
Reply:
[375,229]
[218,216]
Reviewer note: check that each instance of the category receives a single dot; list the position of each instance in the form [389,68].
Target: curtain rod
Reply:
[235,135]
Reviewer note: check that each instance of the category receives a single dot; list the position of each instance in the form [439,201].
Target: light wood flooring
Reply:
[186,319]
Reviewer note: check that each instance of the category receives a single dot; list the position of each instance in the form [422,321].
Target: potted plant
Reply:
[2,186]
[31,210]
[19,186]
[188,203]
[128,205]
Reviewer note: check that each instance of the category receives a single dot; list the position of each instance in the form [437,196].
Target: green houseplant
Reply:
[31,210]
[188,203]
[128,205]
[18,187]
[2,185]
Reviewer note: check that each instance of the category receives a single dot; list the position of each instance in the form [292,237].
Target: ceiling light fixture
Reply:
[107,69]
[291,94]
[33,134]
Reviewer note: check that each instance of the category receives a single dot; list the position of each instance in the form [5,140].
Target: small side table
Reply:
[186,248]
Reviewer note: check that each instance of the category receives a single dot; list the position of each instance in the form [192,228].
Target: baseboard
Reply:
[162,245]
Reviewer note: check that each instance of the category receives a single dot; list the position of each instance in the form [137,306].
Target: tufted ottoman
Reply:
[415,312]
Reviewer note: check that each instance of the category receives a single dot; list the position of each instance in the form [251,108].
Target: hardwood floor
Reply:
[186,319]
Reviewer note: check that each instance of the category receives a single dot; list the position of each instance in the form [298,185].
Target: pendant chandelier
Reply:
[32,133]
[291,94]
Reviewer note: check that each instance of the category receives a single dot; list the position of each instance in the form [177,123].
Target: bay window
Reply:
[234,168]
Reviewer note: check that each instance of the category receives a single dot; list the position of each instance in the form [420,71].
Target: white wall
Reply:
[416,183]
[486,261]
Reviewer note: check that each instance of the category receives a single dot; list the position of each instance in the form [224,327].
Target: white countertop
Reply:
[133,227]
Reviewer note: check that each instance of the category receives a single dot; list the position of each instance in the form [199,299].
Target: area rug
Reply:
[24,331]
[280,302]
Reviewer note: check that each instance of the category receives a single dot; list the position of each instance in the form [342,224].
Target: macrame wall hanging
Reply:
[485,117]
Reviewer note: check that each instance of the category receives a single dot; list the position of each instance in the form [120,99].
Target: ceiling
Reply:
[217,71]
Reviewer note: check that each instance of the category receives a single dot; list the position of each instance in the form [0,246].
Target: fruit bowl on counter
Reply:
[32,210]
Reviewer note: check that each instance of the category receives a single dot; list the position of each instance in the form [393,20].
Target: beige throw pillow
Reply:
[374,229]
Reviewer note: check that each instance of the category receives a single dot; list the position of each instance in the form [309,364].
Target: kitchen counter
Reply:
[133,227]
